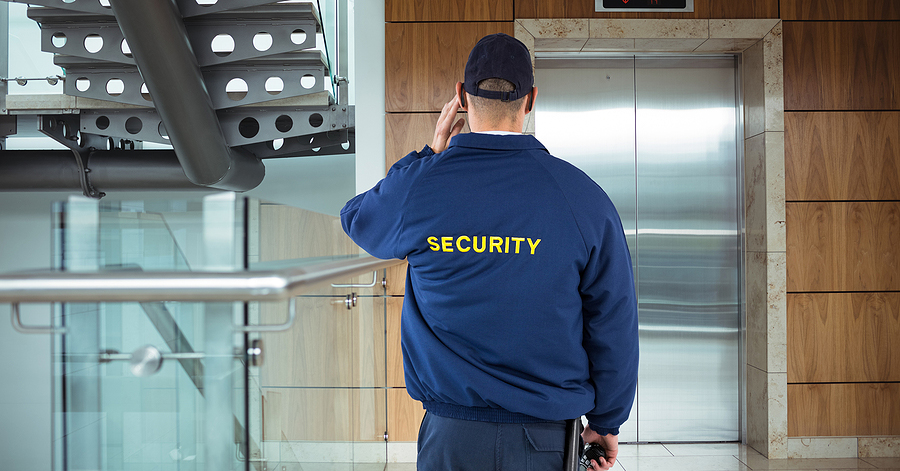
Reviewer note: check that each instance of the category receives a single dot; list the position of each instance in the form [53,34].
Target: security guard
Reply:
[520,309]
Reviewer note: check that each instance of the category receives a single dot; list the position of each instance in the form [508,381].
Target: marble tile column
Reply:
[766,275]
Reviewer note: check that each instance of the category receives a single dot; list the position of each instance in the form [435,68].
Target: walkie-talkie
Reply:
[576,460]
[592,451]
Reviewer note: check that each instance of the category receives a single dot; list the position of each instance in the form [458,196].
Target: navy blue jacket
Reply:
[520,302]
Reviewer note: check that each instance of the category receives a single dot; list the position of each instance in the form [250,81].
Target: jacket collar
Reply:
[495,142]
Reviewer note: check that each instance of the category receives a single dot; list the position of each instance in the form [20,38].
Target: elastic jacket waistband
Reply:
[480,414]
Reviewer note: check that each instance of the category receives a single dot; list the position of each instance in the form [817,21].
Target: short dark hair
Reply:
[495,111]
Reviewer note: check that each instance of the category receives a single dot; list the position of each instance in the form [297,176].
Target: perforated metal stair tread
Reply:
[38,103]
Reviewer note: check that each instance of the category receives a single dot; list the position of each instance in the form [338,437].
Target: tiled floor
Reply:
[717,457]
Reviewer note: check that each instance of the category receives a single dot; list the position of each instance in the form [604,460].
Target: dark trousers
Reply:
[462,445]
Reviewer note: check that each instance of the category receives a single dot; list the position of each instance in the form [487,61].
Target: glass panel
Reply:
[185,408]
[327,39]
[319,396]
[322,385]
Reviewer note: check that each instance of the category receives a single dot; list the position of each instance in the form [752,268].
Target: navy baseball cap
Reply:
[499,56]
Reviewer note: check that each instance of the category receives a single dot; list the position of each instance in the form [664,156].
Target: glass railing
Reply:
[168,309]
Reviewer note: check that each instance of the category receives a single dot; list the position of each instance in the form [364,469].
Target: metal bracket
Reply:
[292,314]
[349,301]
[32,329]
[352,285]
[147,360]
[64,129]
[255,355]
[8,125]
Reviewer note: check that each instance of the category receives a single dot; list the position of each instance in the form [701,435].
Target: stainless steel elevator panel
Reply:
[582,113]
[672,173]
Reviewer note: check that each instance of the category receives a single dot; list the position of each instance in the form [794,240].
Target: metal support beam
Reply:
[159,42]
[57,170]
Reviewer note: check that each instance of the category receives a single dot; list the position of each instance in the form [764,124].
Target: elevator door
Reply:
[660,136]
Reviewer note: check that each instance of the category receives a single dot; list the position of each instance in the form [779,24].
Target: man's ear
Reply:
[461,93]
[529,103]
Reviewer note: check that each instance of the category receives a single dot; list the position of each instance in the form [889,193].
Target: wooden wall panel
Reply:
[425,60]
[841,65]
[843,337]
[288,233]
[404,133]
[396,280]
[843,409]
[702,9]
[404,416]
[545,9]
[744,9]
[843,246]
[340,415]
[448,10]
[394,353]
[407,132]
[842,156]
[840,10]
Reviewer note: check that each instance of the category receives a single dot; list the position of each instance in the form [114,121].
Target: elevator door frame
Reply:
[574,58]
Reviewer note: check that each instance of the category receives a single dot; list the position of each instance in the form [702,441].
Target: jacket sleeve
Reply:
[610,327]
[374,219]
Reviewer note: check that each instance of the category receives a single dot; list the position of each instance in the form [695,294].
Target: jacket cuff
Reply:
[603,430]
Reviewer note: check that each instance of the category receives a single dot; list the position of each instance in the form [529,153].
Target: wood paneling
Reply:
[404,416]
[407,132]
[425,60]
[393,349]
[744,9]
[702,9]
[843,409]
[842,155]
[843,337]
[310,371]
[328,345]
[288,233]
[404,133]
[545,9]
[323,415]
[448,10]
[841,65]
[838,10]
[843,246]
[396,280]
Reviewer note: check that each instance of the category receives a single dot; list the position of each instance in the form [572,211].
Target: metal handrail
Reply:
[118,286]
